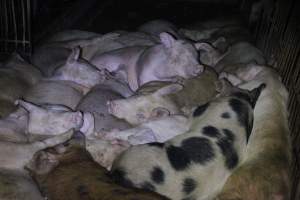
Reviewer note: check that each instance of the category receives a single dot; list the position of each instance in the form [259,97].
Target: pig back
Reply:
[95,103]
[54,92]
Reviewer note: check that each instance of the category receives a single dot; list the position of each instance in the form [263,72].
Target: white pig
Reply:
[50,119]
[166,61]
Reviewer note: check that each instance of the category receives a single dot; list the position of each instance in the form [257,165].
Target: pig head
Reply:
[51,119]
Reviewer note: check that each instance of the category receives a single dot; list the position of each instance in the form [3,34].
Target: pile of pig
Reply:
[183,114]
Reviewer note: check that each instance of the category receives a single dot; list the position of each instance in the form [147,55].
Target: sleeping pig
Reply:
[156,99]
[195,164]
[141,64]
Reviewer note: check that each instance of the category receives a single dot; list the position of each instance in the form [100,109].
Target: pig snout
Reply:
[77,119]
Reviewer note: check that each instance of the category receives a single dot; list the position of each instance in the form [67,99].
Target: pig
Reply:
[264,173]
[50,120]
[155,27]
[53,55]
[241,52]
[140,64]
[156,99]
[195,164]
[54,92]
[95,103]
[92,181]
[158,130]
[110,145]
[13,127]
[79,71]
[14,179]
[22,68]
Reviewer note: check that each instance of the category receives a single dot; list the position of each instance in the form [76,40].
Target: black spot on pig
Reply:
[227,149]
[211,131]
[242,111]
[198,149]
[229,135]
[156,144]
[243,95]
[225,115]
[157,175]
[119,176]
[188,185]
[148,186]
[178,158]
[200,110]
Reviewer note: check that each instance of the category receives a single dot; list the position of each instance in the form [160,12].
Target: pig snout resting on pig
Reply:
[195,164]
[156,99]
[166,61]
[50,119]
[14,179]
[94,102]
[264,173]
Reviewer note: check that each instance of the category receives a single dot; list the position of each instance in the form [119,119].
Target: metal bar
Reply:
[14,19]
[6,24]
[29,25]
[23,24]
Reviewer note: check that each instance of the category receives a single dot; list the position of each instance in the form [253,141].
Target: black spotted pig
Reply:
[196,164]
[141,64]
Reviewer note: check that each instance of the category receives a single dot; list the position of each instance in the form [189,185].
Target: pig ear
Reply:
[159,112]
[28,106]
[73,57]
[168,89]
[255,93]
[204,46]
[167,39]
